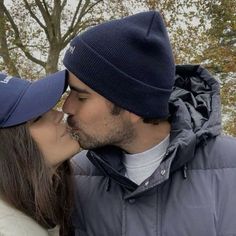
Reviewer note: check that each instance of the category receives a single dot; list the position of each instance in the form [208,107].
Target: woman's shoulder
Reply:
[14,222]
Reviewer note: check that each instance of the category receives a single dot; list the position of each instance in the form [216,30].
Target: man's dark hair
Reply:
[116,110]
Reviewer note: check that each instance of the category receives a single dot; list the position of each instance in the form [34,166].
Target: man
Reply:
[155,165]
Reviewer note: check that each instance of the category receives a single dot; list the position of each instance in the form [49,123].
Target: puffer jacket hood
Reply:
[195,108]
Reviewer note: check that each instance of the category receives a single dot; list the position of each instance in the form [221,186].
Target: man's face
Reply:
[91,118]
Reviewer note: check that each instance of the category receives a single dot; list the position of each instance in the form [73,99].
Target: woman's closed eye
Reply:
[36,119]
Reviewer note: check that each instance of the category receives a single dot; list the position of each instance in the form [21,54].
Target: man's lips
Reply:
[71,128]
[74,129]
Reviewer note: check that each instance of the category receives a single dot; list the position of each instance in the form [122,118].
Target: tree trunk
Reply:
[52,60]
[4,52]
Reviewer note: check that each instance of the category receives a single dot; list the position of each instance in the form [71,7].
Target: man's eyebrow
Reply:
[79,90]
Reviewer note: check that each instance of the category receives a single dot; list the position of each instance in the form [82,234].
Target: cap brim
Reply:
[41,96]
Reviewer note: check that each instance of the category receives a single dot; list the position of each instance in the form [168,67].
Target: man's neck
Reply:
[147,136]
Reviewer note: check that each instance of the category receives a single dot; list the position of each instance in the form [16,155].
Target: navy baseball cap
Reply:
[22,100]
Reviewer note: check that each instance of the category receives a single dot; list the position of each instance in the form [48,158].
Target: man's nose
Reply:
[69,105]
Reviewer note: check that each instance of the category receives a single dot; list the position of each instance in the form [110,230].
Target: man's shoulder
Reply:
[216,153]
[223,144]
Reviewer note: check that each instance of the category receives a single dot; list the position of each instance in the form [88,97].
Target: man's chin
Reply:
[87,146]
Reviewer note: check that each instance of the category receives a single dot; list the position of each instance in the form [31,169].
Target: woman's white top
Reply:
[16,223]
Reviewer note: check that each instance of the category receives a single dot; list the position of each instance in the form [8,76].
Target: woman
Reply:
[35,195]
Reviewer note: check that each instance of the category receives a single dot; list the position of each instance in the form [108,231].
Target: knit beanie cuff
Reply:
[83,61]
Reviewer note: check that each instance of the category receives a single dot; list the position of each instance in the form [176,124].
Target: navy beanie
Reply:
[128,61]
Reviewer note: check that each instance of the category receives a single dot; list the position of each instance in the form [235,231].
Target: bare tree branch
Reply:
[72,32]
[56,20]
[14,26]
[4,50]
[28,46]
[18,41]
[82,26]
[84,11]
[75,14]
[63,4]
[29,55]
[70,29]
[27,6]
[45,15]
[46,7]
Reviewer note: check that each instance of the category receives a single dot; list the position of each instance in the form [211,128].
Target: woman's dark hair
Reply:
[29,185]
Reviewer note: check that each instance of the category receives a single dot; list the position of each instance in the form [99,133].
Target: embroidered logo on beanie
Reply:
[71,49]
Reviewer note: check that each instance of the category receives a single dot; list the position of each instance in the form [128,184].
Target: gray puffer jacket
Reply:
[192,192]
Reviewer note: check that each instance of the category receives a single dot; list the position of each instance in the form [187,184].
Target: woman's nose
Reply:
[57,116]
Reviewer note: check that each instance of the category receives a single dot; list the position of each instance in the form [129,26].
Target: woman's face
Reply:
[53,138]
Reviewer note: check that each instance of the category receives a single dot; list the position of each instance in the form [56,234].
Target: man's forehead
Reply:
[77,83]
